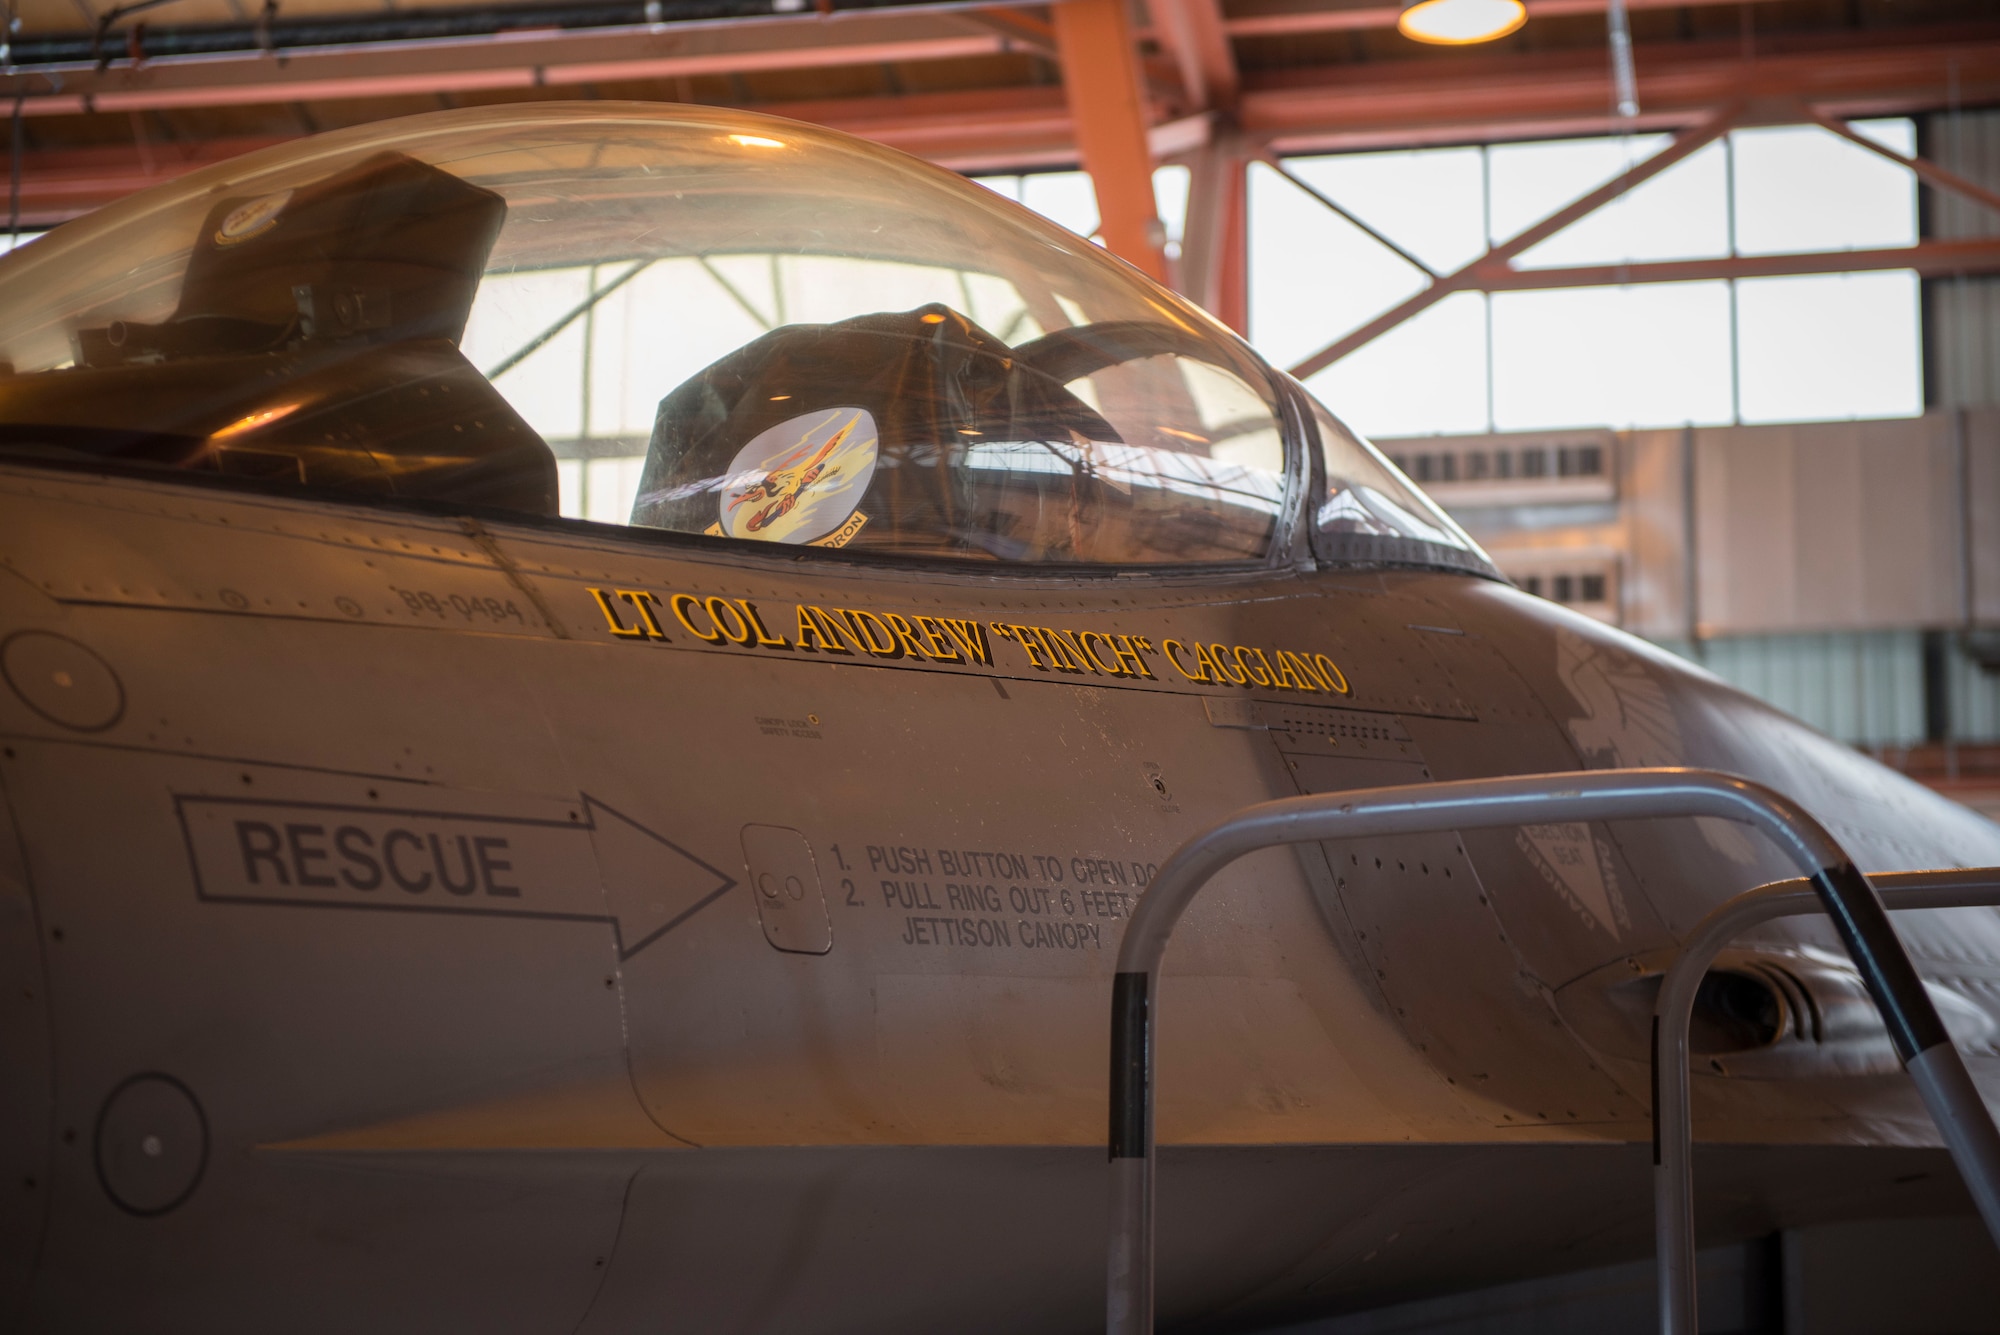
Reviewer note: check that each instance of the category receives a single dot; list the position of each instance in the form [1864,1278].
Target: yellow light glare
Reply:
[253,421]
[755,141]
[1460,22]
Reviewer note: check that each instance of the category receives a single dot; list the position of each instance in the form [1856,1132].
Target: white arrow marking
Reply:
[592,865]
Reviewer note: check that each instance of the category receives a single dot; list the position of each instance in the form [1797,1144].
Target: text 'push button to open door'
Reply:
[785,880]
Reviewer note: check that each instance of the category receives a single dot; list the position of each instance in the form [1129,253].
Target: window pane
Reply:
[1656,355]
[1531,181]
[1429,201]
[613,485]
[1069,199]
[1799,188]
[1170,198]
[663,325]
[509,314]
[1424,377]
[1829,346]
[1681,214]
[1313,275]
[1065,198]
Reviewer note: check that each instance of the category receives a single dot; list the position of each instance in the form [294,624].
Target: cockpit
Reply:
[723,326]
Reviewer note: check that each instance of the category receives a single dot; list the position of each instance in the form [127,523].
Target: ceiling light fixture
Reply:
[1460,22]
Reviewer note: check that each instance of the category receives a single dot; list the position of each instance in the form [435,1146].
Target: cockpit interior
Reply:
[853,352]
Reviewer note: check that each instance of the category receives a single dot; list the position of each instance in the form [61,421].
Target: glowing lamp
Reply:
[1460,22]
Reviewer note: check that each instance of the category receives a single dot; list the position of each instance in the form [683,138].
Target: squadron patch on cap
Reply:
[253,219]
[801,481]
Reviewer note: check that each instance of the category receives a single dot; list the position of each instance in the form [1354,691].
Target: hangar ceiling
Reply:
[104,99]
[110,98]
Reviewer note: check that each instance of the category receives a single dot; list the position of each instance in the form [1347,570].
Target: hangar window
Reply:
[1797,347]
[673,318]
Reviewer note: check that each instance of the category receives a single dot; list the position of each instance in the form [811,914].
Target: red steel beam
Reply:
[1109,109]
[1194,32]
[1495,263]
[62,184]
[1470,99]
[1385,103]
[981,130]
[1489,97]
[1287,18]
[1937,176]
[1214,260]
[510,60]
[1930,259]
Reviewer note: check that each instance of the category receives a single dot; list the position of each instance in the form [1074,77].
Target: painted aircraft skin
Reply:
[428,922]
[451,1104]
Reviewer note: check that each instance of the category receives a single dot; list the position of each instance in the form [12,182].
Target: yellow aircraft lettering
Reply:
[649,607]
[1285,677]
[1128,649]
[1173,650]
[680,603]
[765,639]
[723,612]
[1336,680]
[921,639]
[871,632]
[1261,674]
[936,643]
[906,635]
[970,637]
[819,631]
[1300,670]
[618,628]
[1114,668]
[1063,644]
[1025,637]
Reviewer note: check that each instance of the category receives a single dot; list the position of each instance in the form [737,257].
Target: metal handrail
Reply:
[1673,1132]
[1634,794]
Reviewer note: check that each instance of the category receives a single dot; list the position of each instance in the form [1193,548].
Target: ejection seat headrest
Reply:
[928,378]
[391,247]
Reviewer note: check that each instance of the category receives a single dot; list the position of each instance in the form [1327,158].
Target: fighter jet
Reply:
[426,910]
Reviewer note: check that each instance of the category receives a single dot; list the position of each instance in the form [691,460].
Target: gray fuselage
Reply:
[424,924]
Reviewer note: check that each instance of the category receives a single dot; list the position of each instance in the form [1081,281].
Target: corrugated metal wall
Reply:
[1864,687]
[1975,701]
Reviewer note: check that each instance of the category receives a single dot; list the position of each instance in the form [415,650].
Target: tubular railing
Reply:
[1944,1084]
[1635,794]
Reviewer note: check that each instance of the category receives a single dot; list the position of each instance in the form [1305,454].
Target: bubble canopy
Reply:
[686,319]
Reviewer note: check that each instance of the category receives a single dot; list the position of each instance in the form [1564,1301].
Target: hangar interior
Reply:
[1715,359]
[1711,408]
